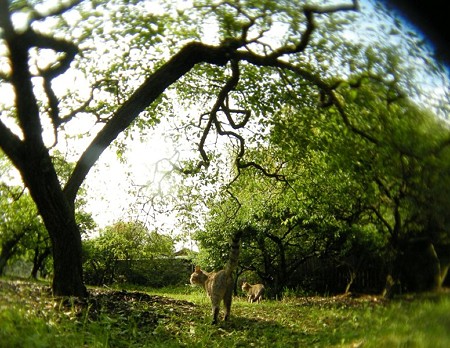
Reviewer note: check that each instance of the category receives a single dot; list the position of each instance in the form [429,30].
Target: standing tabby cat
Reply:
[219,285]
[255,292]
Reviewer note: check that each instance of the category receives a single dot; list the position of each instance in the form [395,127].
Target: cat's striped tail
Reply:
[234,253]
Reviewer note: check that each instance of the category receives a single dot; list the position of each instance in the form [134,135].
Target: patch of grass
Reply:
[181,317]
[419,323]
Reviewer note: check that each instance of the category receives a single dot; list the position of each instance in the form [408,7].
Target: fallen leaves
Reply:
[112,307]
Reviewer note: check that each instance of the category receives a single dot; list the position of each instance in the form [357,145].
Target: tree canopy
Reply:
[357,197]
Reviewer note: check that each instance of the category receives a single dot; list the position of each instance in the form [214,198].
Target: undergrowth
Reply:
[180,317]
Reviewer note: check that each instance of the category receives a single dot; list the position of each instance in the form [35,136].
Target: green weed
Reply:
[181,317]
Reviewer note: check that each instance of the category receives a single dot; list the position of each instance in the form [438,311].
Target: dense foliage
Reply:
[350,206]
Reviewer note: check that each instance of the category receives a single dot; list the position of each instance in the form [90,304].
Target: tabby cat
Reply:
[255,292]
[219,285]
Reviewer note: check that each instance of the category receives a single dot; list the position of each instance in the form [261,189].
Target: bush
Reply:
[156,272]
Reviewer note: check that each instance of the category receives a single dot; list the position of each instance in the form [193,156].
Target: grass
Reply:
[31,317]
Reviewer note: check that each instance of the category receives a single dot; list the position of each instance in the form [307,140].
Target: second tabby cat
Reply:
[255,292]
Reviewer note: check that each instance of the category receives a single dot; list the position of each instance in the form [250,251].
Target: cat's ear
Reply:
[197,269]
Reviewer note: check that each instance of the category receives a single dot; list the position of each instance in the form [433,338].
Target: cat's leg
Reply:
[215,314]
[258,297]
[215,302]
[227,303]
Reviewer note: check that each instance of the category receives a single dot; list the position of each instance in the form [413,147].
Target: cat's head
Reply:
[198,277]
[246,286]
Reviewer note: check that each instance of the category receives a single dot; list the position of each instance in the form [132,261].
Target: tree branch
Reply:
[27,107]
[11,145]
[179,65]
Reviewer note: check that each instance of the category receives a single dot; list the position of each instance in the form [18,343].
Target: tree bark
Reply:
[59,218]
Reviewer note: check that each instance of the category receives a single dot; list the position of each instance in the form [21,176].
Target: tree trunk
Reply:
[440,269]
[387,291]
[7,250]
[352,277]
[67,257]
[30,155]
[38,260]
[444,272]
[59,219]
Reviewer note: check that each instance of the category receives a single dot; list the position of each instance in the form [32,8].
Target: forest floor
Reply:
[31,317]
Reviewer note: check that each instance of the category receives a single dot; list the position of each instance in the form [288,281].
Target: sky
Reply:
[111,180]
